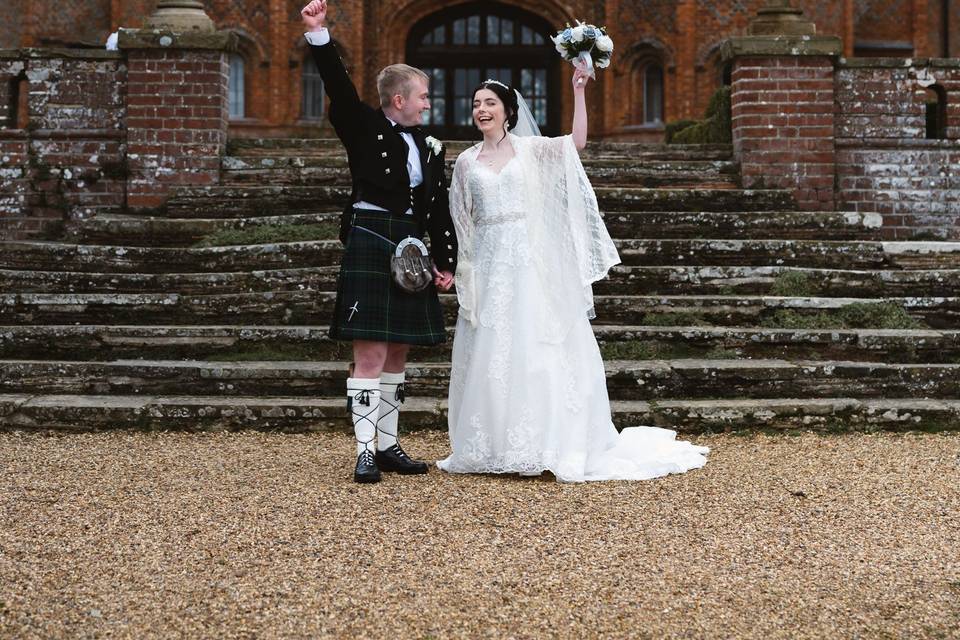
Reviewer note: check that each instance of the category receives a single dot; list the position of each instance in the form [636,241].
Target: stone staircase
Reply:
[731,310]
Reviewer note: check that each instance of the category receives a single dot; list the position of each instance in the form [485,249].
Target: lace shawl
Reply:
[569,243]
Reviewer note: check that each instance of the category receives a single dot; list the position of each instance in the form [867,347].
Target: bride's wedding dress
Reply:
[528,389]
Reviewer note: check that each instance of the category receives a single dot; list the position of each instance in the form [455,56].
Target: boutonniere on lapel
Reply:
[435,147]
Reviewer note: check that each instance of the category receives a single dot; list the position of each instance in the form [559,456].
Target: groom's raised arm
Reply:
[337,84]
[336,81]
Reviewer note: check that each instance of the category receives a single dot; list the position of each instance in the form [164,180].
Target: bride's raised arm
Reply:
[580,80]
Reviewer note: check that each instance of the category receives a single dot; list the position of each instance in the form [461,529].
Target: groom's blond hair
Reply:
[397,80]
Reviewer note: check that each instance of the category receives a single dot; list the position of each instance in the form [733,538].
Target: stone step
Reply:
[842,254]
[310,307]
[311,343]
[56,256]
[307,170]
[152,231]
[626,380]
[284,147]
[232,201]
[80,413]
[766,281]
[838,254]
[791,225]
[773,311]
[71,282]
[786,225]
[623,280]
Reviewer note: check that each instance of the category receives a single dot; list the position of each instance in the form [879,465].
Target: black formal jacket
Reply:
[378,161]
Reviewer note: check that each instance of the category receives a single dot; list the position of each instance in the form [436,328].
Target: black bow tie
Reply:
[399,128]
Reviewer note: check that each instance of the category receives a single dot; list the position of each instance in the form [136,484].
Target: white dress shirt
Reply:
[322,37]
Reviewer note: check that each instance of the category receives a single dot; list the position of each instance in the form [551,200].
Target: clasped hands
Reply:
[443,280]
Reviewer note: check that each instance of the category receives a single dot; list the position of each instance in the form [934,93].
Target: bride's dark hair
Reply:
[509,99]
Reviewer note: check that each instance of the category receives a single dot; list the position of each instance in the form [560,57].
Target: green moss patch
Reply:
[638,350]
[883,315]
[793,284]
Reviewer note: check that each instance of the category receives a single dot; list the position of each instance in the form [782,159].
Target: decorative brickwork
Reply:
[10,19]
[884,20]
[783,123]
[953,27]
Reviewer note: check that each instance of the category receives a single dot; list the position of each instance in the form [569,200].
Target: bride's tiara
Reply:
[491,81]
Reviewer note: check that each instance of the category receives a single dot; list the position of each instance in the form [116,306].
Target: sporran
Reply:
[410,265]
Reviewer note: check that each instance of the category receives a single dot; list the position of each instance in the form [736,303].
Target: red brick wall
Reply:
[884,163]
[686,34]
[783,121]
[68,161]
[10,12]
[954,28]
[884,20]
[59,26]
[176,121]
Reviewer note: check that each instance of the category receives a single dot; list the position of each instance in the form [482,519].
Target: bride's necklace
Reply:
[491,159]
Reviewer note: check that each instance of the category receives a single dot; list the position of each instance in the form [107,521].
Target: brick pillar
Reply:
[783,135]
[782,101]
[177,109]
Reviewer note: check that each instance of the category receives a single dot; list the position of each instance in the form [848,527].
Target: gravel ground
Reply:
[264,535]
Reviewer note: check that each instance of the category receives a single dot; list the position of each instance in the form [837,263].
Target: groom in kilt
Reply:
[399,191]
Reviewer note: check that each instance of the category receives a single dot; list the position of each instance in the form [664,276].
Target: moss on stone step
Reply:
[268,234]
[657,350]
[882,315]
[793,284]
[679,319]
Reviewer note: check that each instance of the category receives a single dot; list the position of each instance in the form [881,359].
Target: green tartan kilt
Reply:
[370,305]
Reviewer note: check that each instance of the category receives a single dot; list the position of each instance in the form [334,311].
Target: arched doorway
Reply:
[461,46]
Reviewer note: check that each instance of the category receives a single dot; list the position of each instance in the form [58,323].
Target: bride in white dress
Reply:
[527,387]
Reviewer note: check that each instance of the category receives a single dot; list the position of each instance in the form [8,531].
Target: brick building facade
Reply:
[667,63]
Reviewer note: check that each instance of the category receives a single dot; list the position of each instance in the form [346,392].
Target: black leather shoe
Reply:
[396,459]
[366,470]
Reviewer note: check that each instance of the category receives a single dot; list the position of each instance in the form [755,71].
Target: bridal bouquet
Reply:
[585,45]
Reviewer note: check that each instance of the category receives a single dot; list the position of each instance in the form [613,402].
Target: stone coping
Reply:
[60,52]
[166,39]
[63,134]
[897,63]
[830,46]
[897,143]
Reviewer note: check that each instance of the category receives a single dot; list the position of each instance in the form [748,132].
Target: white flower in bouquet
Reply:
[585,45]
